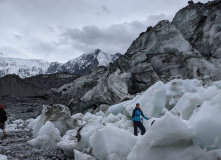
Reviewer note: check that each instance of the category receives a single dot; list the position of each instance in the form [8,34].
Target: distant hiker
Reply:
[3,118]
[136,120]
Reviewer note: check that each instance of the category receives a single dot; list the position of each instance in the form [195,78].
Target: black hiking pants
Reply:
[2,126]
[140,125]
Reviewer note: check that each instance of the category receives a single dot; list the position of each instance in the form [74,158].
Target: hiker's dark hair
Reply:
[139,108]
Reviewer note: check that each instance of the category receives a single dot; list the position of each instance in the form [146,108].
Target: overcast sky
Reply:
[60,30]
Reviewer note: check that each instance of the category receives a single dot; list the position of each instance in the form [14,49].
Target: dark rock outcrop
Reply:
[201,27]
[49,81]
[191,3]
[81,86]
[13,85]
[36,86]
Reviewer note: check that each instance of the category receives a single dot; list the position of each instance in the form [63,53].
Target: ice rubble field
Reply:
[187,126]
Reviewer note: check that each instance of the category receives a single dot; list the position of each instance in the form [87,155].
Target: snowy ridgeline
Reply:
[31,67]
[190,130]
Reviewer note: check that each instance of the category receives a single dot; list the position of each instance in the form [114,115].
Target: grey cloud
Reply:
[1,1]
[104,9]
[46,47]
[50,52]
[112,39]
[154,19]
[157,17]
[50,28]
[89,35]
[17,36]
[14,52]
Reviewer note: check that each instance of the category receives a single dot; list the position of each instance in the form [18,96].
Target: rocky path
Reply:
[15,147]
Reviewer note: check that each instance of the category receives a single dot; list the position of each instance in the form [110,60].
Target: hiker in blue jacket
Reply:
[136,120]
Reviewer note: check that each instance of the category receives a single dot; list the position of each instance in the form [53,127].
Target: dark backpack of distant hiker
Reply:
[4,116]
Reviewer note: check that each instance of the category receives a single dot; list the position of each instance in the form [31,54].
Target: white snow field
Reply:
[23,67]
[187,126]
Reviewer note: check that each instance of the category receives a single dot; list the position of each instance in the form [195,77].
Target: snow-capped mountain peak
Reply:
[85,63]
[104,58]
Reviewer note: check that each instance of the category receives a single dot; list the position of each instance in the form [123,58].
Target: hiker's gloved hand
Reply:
[132,123]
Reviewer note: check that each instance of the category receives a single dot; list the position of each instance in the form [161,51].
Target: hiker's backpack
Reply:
[5,117]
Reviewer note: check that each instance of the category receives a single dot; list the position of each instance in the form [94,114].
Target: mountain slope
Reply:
[85,63]
[47,82]
[30,67]
[22,67]
[13,85]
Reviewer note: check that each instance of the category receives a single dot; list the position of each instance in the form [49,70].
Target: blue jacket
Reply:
[136,115]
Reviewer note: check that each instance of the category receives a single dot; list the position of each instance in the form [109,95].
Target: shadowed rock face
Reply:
[80,87]
[51,80]
[201,25]
[14,86]
[166,51]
